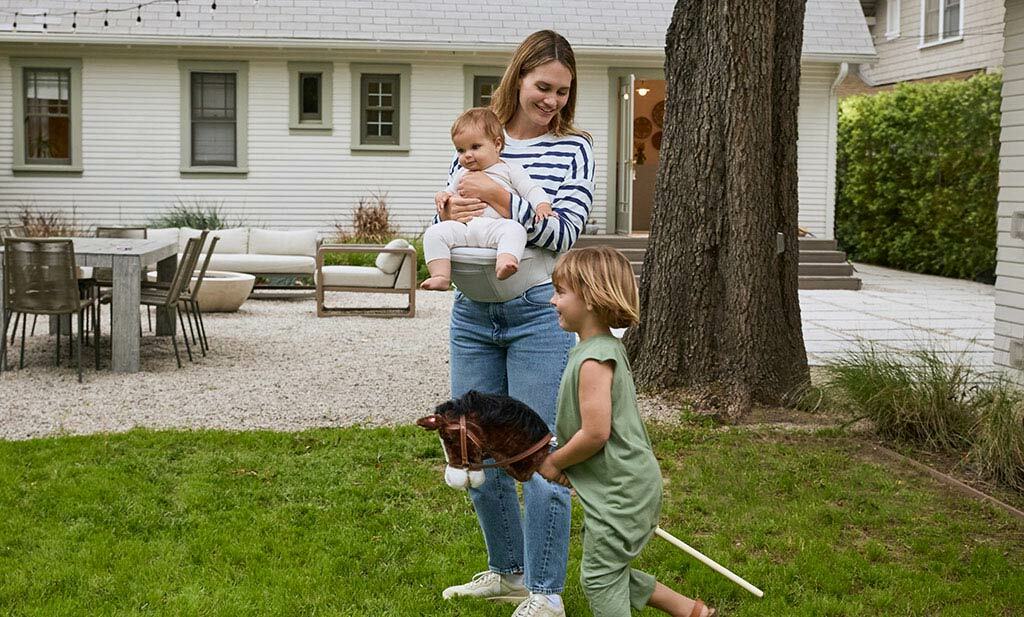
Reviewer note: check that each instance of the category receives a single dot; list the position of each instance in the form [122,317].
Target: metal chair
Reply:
[189,297]
[104,277]
[40,278]
[171,295]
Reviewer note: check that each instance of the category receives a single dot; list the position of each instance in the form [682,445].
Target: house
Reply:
[285,113]
[928,40]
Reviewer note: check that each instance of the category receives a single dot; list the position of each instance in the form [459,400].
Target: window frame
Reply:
[74,67]
[893,17]
[241,72]
[941,39]
[295,72]
[471,73]
[403,72]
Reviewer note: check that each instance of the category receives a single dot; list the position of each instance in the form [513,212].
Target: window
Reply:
[311,96]
[48,111]
[481,82]
[214,111]
[381,101]
[892,19]
[941,21]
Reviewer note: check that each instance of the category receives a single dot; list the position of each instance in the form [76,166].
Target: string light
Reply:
[177,9]
[15,20]
[74,21]
[214,7]
[44,19]
[105,22]
[138,18]
[139,5]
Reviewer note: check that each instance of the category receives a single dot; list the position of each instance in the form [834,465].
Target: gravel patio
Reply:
[274,365]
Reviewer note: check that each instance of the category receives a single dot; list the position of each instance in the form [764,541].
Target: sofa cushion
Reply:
[357,276]
[262,264]
[275,242]
[164,234]
[389,263]
[234,240]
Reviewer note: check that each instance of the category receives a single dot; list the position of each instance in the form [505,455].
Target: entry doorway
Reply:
[638,129]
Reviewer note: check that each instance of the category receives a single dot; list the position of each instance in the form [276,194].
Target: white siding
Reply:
[1009,315]
[816,148]
[131,141]
[900,59]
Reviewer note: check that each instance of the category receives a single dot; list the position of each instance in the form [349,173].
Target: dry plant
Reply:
[49,223]
[370,222]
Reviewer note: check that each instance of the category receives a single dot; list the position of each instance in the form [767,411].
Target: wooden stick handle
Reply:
[711,563]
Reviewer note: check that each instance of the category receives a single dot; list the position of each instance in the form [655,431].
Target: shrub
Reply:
[917,177]
[49,223]
[998,449]
[370,221]
[197,215]
[920,398]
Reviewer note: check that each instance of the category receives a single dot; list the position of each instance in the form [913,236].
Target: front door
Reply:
[624,159]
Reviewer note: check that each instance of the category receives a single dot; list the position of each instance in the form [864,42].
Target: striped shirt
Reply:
[564,168]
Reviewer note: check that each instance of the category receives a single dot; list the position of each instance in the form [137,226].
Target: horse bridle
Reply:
[467,433]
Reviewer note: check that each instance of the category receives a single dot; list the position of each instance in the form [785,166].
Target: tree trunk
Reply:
[719,305]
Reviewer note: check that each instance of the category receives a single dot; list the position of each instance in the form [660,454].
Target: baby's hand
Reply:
[543,211]
[441,200]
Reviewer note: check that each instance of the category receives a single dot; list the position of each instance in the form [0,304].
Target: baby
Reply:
[479,139]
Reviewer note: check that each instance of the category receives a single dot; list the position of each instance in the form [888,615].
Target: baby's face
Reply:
[476,150]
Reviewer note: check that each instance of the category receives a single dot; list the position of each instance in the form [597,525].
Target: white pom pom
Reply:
[456,478]
[476,478]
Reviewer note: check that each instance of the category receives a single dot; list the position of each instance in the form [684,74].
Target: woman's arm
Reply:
[595,396]
[477,184]
[572,202]
[455,207]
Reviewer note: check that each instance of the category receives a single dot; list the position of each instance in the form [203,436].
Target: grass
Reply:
[359,522]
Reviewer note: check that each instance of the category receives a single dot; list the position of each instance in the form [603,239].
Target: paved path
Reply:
[901,311]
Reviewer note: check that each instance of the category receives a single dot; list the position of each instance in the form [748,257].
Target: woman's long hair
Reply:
[539,48]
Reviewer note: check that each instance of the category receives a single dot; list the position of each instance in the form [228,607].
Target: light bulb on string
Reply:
[214,7]
[74,20]
[105,14]
[177,9]
[15,24]
[138,18]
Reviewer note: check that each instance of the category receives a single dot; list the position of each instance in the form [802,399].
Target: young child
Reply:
[606,454]
[479,139]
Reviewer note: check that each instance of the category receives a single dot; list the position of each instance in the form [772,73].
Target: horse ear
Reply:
[430,422]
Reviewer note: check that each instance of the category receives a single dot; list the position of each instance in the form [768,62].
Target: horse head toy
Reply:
[478,426]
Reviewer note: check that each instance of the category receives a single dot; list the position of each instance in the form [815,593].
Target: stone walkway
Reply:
[901,311]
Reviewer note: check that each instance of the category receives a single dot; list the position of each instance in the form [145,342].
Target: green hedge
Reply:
[918,176]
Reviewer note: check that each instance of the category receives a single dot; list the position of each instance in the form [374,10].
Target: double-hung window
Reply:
[381,107]
[48,114]
[310,98]
[892,19]
[481,82]
[941,21]
[214,117]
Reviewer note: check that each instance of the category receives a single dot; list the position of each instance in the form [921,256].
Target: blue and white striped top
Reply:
[564,168]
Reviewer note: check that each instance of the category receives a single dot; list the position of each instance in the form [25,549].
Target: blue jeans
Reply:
[517,348]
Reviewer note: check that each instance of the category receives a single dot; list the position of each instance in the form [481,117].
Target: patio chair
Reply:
[394,271]
[40,278]
[104,277]
[189,297]
[171,296]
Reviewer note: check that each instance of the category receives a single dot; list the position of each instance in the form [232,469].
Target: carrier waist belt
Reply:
[473,273]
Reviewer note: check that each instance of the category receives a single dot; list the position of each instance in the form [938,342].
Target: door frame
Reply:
[614,74]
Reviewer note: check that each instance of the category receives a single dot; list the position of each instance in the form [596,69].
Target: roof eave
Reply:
[836,58]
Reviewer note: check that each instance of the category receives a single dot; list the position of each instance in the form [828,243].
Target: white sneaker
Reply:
[536,605]
[488,586]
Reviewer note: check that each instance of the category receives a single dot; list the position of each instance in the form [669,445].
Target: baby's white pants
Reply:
[505,235]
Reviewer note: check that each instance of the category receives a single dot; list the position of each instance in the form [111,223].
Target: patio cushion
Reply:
[234,240]
[389,263]
[164,234]
[275,242]
[262,264]
[357,276]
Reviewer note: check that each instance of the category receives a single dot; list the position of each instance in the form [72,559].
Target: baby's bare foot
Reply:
[436,283]
[505,268]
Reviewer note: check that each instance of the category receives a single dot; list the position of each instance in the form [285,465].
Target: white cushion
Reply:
[262,264]
[357,276]
[275,242]
[234,240]
[389,263]
[163,234]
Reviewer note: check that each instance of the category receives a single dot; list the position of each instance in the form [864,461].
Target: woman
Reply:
[517,347]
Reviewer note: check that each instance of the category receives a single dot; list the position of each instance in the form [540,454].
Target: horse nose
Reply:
[429,422]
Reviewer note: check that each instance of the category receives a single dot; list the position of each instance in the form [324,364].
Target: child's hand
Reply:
[543,211]
[441,200]
[553,474]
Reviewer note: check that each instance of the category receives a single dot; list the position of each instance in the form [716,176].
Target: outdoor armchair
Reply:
[40,278]
[394,271]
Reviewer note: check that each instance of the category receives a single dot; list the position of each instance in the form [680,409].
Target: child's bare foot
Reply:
[436,283]
[506,266]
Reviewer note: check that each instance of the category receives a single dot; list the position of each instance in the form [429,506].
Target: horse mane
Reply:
[495,410]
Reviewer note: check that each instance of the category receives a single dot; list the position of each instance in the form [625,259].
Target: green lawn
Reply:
[359,522]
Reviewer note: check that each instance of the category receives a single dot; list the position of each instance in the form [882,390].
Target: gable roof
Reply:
[833,29]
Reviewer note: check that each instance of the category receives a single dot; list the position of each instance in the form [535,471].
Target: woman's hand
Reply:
[477,184]
[551,473]
[462,209]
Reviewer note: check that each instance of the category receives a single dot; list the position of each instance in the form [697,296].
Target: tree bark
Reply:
[720,310]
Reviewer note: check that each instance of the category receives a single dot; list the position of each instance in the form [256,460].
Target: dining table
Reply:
[128,259]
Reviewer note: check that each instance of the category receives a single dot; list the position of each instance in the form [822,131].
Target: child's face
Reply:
[572,310]
[476,150]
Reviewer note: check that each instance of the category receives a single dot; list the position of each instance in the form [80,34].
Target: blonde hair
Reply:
[479,118]
[603,278]
[539,48]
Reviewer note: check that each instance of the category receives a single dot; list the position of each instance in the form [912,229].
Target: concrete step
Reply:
[821,257]
[634,254]
[817,244]
[826,269]
[638,267]
[619,242]
[830,282]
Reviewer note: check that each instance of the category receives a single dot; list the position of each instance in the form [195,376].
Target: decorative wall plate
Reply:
[656,140]
[642,128]
[658,113]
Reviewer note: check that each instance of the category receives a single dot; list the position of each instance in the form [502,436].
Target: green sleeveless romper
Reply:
[619,487]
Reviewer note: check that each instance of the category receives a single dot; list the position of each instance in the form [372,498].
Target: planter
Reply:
[222,292]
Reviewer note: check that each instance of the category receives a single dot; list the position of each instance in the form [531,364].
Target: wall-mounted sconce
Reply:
[642,91]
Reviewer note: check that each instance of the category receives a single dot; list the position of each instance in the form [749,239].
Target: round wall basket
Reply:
[656,140]
[642,128]
[658,113]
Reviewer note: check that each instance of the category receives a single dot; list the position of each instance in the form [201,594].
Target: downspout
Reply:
[833,127]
